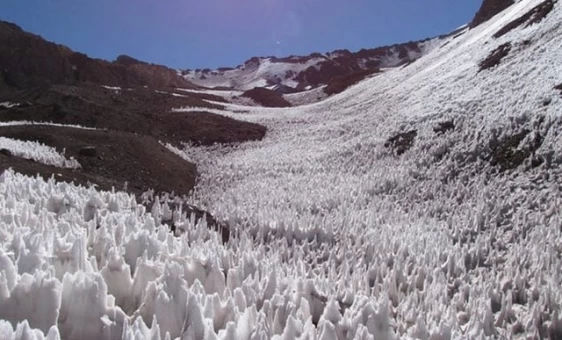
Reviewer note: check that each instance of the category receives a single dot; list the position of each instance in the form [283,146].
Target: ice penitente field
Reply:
[337,236]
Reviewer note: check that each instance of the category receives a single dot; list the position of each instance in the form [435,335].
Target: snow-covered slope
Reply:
[338,237]
[300,73]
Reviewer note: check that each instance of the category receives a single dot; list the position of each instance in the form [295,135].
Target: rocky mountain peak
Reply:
[489,9]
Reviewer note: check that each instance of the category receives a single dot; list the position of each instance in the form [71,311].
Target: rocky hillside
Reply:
[28,60]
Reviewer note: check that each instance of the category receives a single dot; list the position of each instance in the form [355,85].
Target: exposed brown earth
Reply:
[135,121]
[495,57]
[535,15]
[266,97]
[341,83]
[488,10]
[140,110]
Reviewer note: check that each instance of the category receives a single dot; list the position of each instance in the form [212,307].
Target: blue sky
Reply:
[213,33]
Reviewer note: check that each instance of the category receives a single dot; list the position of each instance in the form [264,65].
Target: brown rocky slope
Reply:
[28,60]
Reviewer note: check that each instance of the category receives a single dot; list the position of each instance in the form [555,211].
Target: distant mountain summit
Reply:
[298,73]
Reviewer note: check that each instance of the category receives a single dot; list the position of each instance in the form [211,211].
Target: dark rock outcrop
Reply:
[126,61]
[488,10]
[402,142]
[495,57]
[534,16]
[444,127]
[140,162]
[343,63]
[507,153]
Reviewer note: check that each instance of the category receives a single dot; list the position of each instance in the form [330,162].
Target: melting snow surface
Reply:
[337,238]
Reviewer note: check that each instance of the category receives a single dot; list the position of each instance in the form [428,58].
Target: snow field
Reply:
[336,237]
[59,269]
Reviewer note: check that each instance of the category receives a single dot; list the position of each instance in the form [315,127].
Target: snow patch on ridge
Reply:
[38,152]
[25,122]
[8,105]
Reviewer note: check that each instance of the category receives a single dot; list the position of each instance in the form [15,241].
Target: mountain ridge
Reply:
[299,73]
